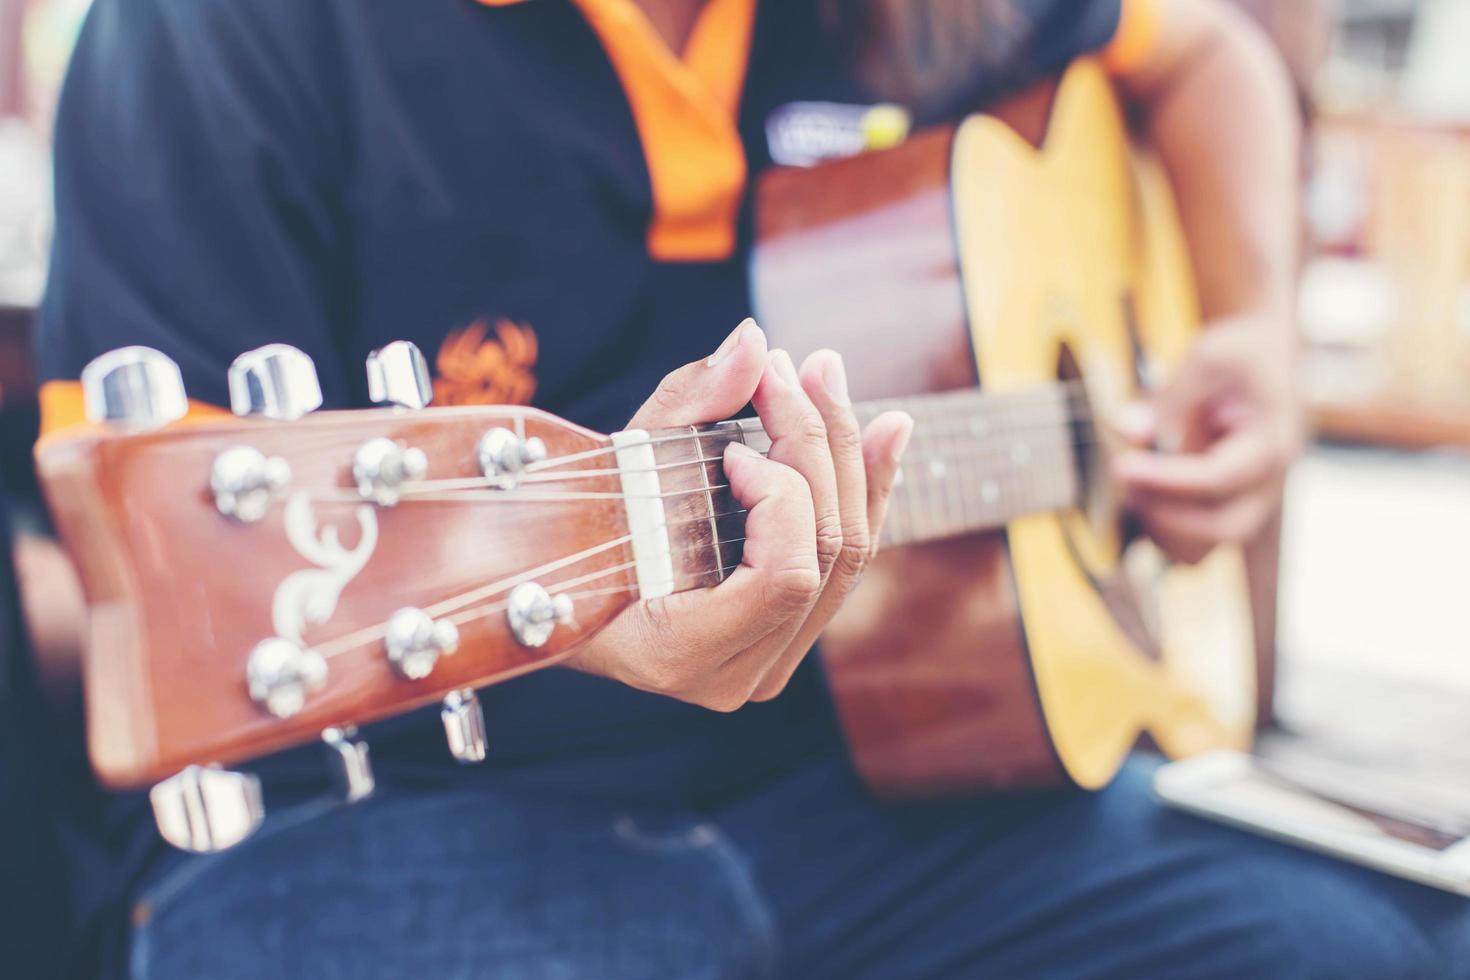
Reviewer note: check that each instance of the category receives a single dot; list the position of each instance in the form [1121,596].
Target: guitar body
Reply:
[1012,251]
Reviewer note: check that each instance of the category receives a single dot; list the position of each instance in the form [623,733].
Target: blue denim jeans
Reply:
[805,876]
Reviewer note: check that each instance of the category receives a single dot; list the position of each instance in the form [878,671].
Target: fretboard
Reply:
[975,461]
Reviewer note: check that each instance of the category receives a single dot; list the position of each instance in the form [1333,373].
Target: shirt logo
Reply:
[802,134]
[476,369]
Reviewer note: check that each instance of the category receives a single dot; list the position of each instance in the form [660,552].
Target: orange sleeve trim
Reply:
[1140,23]
[63,410]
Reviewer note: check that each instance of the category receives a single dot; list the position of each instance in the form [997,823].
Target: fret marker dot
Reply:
[937,469]
[1020,454]
[990,491]
[898,477]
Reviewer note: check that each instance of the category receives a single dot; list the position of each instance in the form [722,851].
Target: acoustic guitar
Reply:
[254,583]
[1034,252]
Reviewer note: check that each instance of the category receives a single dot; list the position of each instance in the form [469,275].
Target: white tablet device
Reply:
[1349,820]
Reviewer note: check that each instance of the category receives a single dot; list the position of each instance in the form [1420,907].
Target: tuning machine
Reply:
[352,766]
[281,673]
[398,374]
[205,809]
[276,381]
[464,726]
[134,387]
[504,456]
[533,613]
[415,641]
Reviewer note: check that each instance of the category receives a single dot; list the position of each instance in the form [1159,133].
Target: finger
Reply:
[1181,406]
[1188,531]
[684,642]
[883,444]
[1241,460]
[799,440]
[1136,423]
[824,379]
[710,390]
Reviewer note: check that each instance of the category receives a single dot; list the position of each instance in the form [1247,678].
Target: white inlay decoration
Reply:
[937,469]
[990,491]
[647,524]
[309,597]
[1020,454]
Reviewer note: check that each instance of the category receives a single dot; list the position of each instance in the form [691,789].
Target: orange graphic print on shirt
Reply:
[476,369]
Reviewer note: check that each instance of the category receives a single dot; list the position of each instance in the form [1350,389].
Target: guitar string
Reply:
[477,612]
[924,430]
[367,634]
[428,492]
[453,607]
[1049,397]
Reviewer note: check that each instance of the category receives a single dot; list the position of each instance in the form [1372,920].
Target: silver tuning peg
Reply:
[398,375]
[276,381]
[504,456]
[206,809]
[351,765]
[137,387]
[464,725]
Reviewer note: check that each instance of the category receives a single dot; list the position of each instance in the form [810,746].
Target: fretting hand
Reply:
[815,508]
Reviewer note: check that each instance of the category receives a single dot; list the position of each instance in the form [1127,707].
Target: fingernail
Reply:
[781,361]
[834,378]
[729,344]
[902,441]
[1135,421]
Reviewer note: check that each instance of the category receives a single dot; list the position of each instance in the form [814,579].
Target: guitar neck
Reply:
[975,462]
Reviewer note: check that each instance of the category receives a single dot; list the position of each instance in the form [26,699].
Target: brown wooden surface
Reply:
[1399,421]
[179,595]
[927,661]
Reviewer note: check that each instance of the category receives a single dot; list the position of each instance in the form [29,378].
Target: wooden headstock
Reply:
[187,573]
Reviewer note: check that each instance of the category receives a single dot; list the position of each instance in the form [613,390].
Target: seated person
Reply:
[550,196]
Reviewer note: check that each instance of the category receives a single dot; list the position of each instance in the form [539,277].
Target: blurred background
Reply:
[1377,529]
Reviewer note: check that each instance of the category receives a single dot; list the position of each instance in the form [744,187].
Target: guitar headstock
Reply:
[258,580]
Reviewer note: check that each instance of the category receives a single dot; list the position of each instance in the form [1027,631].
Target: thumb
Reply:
[1181,406]
[710,390]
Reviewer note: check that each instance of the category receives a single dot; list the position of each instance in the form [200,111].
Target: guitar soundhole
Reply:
[1088,456]
[1101,521]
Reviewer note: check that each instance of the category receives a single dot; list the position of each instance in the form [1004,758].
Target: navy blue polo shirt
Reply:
[550,206]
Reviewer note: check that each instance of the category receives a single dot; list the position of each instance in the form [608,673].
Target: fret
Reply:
[709,498]
[976,460]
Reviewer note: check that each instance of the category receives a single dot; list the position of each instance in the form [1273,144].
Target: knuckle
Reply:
[811,431]
[791,590]
[829,536]
[670,395]
[844,436]
[852,559]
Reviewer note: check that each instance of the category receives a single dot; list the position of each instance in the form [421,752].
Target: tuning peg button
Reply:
[351,764]
[398,375]
[136,387]
[280,674]
[415,641]
[204,809]
[276,381]
[464,726]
